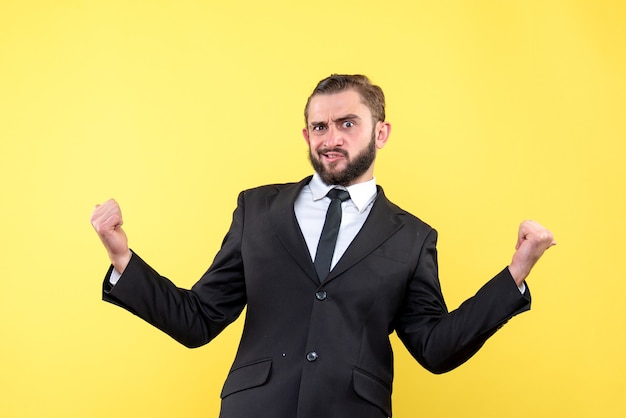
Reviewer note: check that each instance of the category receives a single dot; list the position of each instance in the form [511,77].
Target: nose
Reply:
[334,137]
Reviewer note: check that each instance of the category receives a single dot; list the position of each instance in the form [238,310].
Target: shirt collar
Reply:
[361,194]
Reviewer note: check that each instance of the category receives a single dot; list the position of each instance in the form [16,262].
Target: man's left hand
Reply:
[532,241]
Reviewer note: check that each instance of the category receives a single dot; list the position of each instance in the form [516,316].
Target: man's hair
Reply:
[372,95]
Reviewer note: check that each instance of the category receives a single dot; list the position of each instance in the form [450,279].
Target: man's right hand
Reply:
[106,219]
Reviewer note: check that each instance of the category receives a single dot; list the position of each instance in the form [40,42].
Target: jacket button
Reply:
[312,356]
[321,295]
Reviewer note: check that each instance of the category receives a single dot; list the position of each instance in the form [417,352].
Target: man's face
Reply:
[342,138]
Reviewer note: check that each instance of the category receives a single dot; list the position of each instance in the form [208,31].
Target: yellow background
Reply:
[501,111]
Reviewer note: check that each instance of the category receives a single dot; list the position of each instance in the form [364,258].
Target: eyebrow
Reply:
[350,116]
[347,117]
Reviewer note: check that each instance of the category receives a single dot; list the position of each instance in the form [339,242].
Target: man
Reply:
[316,339]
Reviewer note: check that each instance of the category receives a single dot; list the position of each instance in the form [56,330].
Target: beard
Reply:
[355,168]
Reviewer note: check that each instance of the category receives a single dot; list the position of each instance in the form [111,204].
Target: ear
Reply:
[305,134]
[383,129]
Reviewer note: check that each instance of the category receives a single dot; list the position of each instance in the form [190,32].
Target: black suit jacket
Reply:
[312,349]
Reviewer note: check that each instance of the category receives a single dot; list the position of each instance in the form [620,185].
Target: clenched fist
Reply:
[532,241]
[107,221]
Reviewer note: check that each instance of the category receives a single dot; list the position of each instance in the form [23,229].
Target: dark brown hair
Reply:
[372,95]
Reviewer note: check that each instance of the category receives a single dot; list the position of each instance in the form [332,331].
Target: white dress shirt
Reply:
[311,206]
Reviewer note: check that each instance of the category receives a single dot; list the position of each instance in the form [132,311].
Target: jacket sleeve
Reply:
[192,317]
[440,340]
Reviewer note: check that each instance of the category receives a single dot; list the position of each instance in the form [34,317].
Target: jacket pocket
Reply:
[247,376]
[372,390]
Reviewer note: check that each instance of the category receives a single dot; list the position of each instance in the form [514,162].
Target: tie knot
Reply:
[340,194]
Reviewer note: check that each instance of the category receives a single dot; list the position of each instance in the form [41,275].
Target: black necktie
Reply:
[328,239]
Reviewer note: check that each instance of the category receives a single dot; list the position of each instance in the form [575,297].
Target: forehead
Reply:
[336,105]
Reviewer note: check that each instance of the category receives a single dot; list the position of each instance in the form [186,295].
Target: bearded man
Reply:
[328,268]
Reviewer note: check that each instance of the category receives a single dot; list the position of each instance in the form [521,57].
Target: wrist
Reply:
[120,261]
[518,274]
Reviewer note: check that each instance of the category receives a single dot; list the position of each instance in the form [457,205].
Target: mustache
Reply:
[337,150]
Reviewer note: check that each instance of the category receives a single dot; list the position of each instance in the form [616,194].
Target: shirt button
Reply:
[321,295]
[312,356]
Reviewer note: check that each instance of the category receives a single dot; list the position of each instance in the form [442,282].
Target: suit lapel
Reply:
[285,225]
[382,222]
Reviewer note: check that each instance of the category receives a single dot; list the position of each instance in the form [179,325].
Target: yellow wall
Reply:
[501,111]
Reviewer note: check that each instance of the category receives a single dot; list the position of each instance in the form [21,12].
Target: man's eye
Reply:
[319,127]
[348,124]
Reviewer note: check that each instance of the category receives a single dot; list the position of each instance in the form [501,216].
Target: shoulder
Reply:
[405,216]
[268,189]
[282,191]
